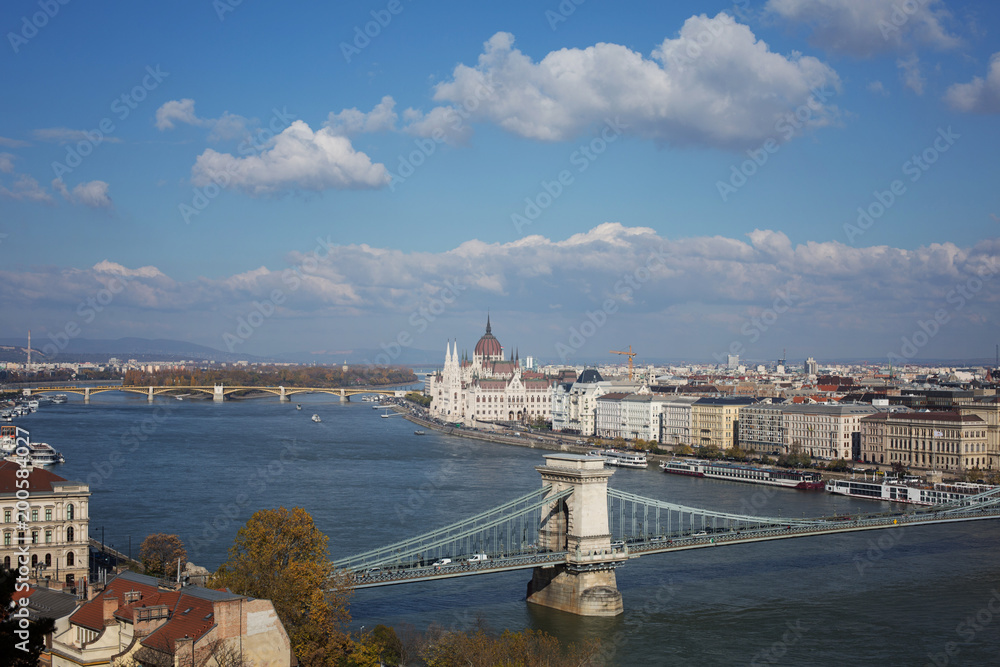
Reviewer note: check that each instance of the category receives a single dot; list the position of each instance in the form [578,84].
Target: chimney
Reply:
[110,607]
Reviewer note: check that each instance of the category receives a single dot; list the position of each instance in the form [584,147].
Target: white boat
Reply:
[612,457]
[40,455]
[298,406]
[316,418]
[909,491]
[736,472]
[420,433]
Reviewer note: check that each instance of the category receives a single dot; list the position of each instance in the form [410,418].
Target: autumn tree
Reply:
[528,648]
[281,556]
[160,554]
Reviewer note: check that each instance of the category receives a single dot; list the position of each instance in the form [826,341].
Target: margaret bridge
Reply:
[218,392]
[574,531]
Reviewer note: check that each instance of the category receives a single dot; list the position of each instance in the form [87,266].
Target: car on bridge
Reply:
[477,558]
[441,562]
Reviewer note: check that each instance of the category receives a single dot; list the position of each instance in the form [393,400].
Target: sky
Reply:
[692,179]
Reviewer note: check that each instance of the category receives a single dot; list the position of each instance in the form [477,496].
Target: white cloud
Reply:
[705,289]
[26,188]
[715,84]
[350,122]
[227,126]
[909,69]
[863,28]
[7,163]
[65,135]
[979,95]
[877,88]
[13,143]
[296,159]
[93,194]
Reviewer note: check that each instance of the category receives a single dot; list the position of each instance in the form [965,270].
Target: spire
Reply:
[488,322]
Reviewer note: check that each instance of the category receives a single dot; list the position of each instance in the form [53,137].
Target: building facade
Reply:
[945,441]
[714,421]
[987,409]
[487,387]
[822,431]
[134,617]
[55,527]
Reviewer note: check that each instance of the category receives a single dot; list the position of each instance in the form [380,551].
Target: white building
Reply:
[675,420]
[488,388]
[822,431]
[574,404]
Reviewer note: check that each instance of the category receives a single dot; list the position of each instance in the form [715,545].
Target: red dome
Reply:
[488,345]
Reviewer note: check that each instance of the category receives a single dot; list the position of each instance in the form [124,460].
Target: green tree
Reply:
[160,554]
[281,556]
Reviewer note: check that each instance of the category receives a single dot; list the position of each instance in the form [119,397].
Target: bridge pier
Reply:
[150,397]
[344,398]
[86,394]
[283,397]
[217,394]
[585,584]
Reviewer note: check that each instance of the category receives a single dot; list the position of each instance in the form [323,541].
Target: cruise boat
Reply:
[793,479]
[316,418]
[612,457]
[40,455]
[909,491]
[418,432]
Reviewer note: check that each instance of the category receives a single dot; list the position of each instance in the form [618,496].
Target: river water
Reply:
[914,596]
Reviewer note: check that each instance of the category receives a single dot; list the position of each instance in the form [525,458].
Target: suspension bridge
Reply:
[218,392]
[574,531]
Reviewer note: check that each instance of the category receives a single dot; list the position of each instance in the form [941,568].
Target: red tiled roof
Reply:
[191,617]
[91,614]
[39,480]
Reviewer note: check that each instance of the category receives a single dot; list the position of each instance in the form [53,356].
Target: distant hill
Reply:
[100,350]
[406,357]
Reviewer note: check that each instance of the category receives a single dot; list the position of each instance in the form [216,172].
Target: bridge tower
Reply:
[283,397]
[586,583]
[217,394]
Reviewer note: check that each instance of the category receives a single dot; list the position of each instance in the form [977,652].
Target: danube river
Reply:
[918,595]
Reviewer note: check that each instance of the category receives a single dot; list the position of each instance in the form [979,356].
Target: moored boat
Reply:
[420,433]
[316,418]
[613,457]
[910,491]
[796,479]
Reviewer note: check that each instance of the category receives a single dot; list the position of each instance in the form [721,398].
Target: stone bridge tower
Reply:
[585,584]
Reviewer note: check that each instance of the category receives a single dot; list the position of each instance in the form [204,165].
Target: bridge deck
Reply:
[636,548]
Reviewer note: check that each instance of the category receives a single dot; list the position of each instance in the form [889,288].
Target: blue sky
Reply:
[358,189]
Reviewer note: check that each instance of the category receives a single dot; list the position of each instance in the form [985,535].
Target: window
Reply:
[7,539]
[70,559]
[48,560]
[69,534]
[48,514]
[34,537]
[34,515]
[6,516]
[69,514]
[48,537]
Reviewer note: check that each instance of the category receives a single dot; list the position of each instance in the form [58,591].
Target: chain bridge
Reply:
[574,532]
[218,392]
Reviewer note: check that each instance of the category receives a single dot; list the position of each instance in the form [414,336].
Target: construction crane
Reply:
[629,354]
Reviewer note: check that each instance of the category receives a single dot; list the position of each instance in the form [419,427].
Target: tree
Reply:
[160,554]
[10,624]
[281,556]
[481,648]
[899,469]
